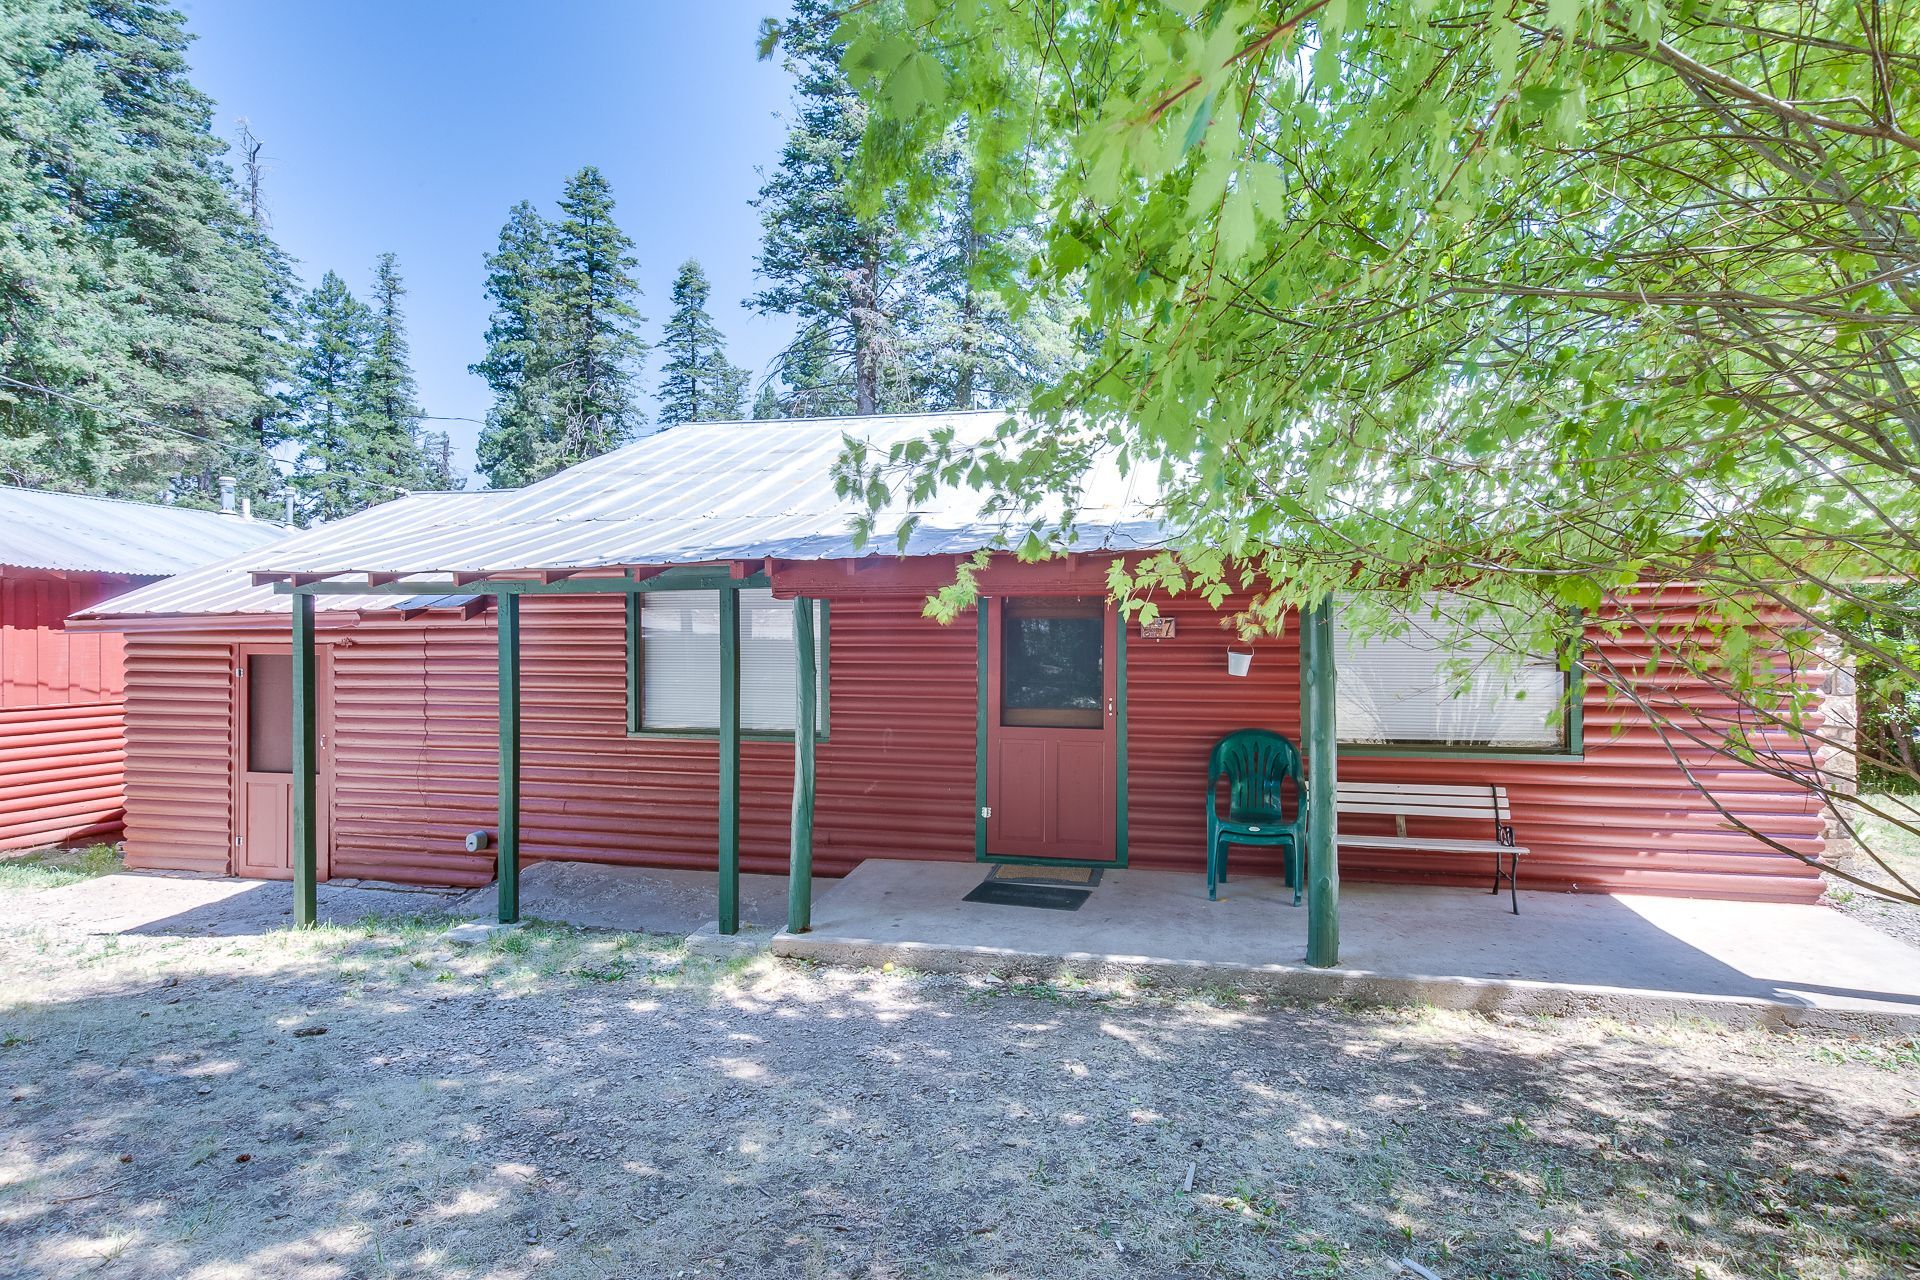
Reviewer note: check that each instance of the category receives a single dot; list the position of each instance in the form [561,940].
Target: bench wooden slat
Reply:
[1419,789]
[1430,846]
[1419,810]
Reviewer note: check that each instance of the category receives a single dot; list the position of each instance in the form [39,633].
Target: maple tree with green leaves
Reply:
[1523,306]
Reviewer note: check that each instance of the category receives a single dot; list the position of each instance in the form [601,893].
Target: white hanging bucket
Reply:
[1238,664]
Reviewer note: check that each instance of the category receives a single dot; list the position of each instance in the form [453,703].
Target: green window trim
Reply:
[636,672]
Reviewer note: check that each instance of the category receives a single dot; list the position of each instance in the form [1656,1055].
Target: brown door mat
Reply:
[1029,873]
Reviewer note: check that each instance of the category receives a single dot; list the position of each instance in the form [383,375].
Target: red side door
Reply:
[1051,735]
[263,772]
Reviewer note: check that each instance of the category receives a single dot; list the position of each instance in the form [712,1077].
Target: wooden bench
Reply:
[1403,800]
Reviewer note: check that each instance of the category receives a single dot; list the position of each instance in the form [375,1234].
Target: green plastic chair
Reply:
[1257,763]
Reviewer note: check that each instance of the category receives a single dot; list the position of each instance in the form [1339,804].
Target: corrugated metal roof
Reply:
[228,587]
[82,534]
[710,492]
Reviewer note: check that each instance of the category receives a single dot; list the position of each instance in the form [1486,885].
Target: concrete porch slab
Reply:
[1454,948]
[593,895]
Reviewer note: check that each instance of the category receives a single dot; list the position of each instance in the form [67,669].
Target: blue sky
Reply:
[411,127]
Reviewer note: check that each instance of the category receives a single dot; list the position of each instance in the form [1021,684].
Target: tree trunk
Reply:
[866,338]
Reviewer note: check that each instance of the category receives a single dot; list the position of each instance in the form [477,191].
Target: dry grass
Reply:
[563,1104]
[41,869]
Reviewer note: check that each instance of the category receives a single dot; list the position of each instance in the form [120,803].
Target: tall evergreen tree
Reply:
[563,343]
[259,472]
[697,383]
[841,273]
[327,398]
[392,455]
[355,416]
[437,448]
[139,344]
[391,395]
[984,336]
[520,355]
[599,348]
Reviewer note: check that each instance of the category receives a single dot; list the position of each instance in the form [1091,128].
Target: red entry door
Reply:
[1051,740]
[263,799]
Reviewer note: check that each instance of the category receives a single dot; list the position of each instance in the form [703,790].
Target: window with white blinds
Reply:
[679,655]
[1436,685]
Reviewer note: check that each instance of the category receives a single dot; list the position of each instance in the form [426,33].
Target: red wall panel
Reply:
[42,664]
[62,745]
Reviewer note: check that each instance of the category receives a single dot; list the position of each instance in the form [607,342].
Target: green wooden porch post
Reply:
[507,839]
[729,915]
[1323,858]
[806,716]
[306,756]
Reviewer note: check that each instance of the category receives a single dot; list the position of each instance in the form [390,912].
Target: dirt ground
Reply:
[374,1101]
[1895,849]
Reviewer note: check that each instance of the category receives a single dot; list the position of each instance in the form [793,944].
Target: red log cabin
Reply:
[62,692]
[624,635]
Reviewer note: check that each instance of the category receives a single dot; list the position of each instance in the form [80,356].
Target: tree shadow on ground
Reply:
[564,1104]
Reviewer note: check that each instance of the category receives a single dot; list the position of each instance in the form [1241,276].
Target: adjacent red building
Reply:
[63,693]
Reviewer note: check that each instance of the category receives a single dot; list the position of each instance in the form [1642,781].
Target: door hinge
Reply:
[986,811]
[239,841]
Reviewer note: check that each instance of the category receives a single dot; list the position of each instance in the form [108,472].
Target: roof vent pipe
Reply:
[227,484]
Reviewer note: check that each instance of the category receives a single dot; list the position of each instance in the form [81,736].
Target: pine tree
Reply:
[392,458]
[599,348]
[437,448]
[563,343]
[766,403]
[697,383]
[984,337]
[258,471]
[520,349]
[841,274]
[140,342]
[354,411]
[327,399]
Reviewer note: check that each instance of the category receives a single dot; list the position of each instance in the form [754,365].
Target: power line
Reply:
[179,431]
[118,413]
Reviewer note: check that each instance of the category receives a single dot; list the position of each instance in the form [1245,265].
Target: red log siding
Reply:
[1180,701]
[415,761]
[62,743]
[415,723]
[61,774]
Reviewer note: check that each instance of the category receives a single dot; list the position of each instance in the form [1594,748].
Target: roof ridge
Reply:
[136,502]
[833,417]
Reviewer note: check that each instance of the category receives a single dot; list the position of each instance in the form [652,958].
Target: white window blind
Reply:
[1437,685]
[680,661]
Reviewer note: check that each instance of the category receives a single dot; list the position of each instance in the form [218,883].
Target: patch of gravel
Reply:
[1895,919]
[374,1102]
